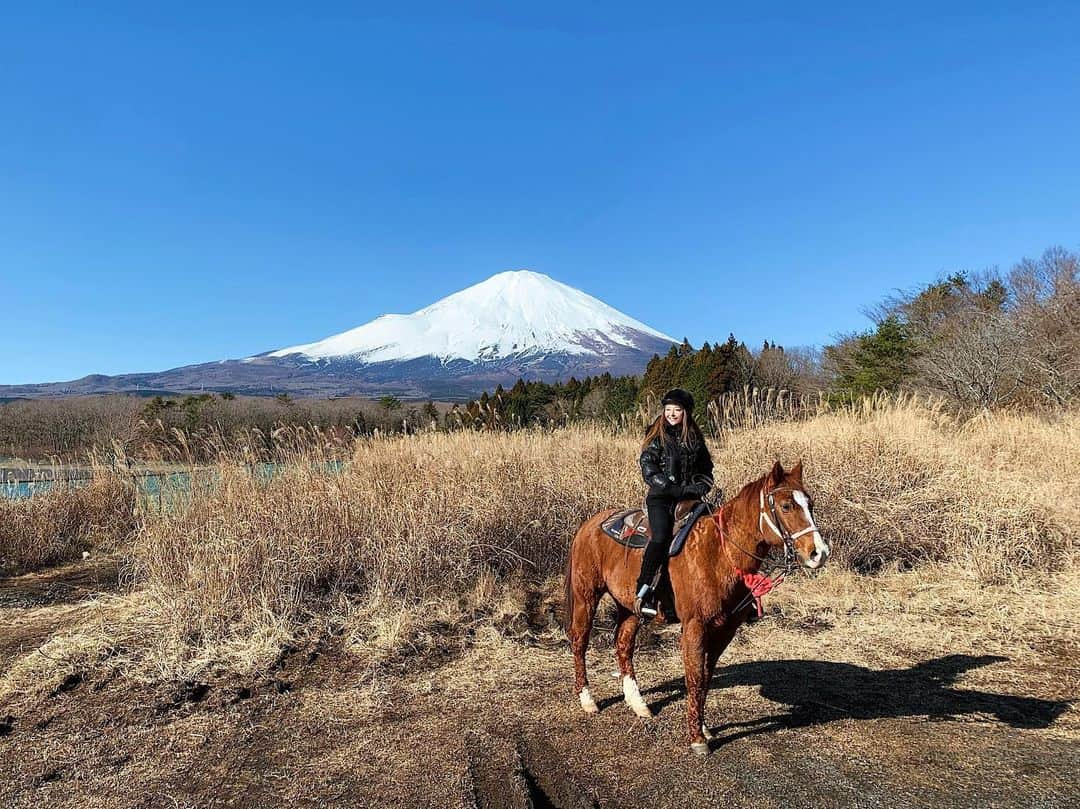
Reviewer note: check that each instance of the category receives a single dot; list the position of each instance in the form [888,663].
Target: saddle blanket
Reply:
[630,527]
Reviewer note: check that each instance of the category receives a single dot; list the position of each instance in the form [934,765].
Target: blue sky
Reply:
[201,181]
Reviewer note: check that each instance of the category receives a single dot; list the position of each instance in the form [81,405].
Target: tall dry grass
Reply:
[59,524]
[430,518]
[406,520]
[416,535]
[896,485]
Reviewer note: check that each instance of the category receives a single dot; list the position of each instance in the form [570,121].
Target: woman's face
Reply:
[673,414]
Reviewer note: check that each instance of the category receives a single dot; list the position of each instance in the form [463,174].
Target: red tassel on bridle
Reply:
[757,583]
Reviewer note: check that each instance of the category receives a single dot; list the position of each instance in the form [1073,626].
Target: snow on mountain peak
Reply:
[518,312]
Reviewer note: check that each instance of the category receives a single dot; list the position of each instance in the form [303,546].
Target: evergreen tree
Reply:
[622,394]
[723,375]
[877,360]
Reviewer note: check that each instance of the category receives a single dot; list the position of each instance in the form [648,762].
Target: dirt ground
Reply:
[496,724]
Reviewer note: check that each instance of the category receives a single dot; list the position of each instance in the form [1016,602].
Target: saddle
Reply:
[630,527]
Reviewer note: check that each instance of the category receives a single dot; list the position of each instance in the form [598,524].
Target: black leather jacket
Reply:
[668,463]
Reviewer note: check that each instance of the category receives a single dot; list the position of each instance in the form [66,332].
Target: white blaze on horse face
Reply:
[821,547]
[634,699]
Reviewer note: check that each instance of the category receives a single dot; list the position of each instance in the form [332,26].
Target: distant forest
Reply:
[978,341]
[707,372]
[184,428]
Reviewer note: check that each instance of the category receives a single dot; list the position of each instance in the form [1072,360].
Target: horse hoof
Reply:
[705,732]
[632,697]
[641,711]
[700,748]
[587,703]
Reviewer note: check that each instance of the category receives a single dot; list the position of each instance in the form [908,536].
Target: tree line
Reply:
[170,426]
[979,341]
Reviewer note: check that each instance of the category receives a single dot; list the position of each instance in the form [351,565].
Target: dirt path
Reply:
[498,727]
[36,605]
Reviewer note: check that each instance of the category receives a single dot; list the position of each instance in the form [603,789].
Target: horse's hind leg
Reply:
[626,627]
[582,612]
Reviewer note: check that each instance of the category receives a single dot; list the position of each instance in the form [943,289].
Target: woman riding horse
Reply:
[715,577]
[676,466]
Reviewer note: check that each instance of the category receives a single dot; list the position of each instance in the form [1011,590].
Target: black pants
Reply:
[661,510]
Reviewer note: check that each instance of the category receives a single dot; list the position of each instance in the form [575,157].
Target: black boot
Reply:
[645,601]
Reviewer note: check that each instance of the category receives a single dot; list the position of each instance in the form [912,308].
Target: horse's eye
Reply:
[786,507]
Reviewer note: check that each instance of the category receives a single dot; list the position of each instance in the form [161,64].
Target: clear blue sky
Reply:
[192,183]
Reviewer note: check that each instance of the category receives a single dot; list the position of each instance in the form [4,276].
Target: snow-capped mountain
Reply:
[514,324]
[517,313]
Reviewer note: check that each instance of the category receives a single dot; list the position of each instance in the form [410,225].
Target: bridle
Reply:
[777,525]
[772,519]
[759,584]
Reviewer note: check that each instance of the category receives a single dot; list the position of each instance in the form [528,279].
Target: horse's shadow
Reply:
[818,692]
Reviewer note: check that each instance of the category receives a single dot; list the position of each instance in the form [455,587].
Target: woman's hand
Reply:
[695,491]
[661,481]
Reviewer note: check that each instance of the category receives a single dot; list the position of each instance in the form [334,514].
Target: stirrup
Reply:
[645,603]
[645,611]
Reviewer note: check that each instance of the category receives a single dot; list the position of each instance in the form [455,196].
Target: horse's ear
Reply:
[776,475]
[795,473]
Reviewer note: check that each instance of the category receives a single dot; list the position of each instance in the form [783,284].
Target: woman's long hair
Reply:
[690,433]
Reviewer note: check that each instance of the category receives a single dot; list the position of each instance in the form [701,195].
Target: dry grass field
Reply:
[382,627]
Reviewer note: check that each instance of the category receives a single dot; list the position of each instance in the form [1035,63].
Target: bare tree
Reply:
[987,340]
[1048,315]
[977,359]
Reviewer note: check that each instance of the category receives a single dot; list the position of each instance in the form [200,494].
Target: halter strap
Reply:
[763,516]
[757,584]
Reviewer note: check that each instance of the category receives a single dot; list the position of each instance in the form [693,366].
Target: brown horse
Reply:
[712,598]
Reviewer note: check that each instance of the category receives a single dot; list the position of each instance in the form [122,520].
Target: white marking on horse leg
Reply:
[701,748]
[821,547]
[705,732]
[587,703]
[633,698]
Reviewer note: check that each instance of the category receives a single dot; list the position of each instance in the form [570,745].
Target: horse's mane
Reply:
[746,490]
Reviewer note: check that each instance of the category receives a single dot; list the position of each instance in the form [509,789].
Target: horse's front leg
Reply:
[693,649]
[716,641]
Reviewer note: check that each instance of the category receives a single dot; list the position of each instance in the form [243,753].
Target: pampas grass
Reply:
[62,523]
[421,519]
[391,542]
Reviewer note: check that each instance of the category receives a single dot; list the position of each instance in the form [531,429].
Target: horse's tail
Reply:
[568,599]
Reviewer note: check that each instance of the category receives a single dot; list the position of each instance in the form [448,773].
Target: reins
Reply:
[757,583]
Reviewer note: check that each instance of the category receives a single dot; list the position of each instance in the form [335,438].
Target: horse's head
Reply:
[787,517]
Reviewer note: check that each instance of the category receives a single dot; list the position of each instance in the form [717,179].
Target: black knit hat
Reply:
[679,397]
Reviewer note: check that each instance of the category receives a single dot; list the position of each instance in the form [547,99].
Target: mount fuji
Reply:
[515,324]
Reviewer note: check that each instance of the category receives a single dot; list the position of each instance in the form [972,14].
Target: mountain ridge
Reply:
[548,315]
[517,323]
